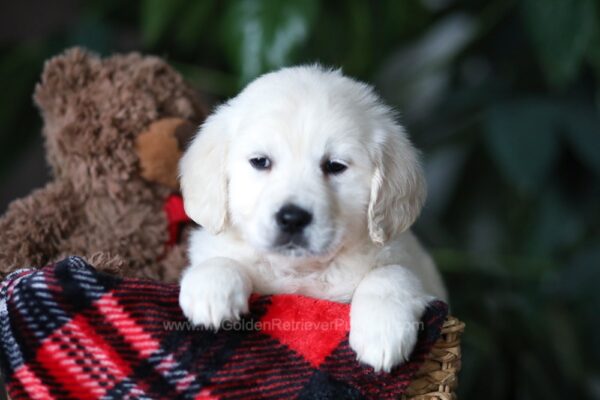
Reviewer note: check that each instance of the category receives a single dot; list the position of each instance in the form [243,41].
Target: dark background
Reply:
[501,96]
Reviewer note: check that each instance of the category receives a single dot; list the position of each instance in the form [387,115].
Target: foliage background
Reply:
[502,96]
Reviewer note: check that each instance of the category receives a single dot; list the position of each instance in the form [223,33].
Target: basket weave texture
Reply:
[437,378]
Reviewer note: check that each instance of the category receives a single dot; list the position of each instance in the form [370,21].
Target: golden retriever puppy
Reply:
[306,183]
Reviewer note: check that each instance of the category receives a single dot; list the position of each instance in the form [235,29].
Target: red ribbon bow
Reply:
[176,217]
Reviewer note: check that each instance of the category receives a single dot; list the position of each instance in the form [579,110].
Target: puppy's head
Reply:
[302,162]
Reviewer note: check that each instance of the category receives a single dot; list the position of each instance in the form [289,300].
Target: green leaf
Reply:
[560,31]
[582,125]
[207,80]
[192,22]
[593,53]
[522,137]
[558,225]
[156,15]
[260,35]
[443,167]
[578,281]
[360,52]
[563,339]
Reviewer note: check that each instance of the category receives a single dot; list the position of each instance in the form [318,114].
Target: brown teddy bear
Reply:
[114,130]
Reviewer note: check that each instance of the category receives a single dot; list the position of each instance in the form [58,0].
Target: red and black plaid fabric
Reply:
[68,331]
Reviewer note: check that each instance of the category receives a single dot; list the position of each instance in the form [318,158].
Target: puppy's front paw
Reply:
[382,334]
[213,292]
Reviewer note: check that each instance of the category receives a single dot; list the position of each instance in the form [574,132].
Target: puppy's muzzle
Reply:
[292,220]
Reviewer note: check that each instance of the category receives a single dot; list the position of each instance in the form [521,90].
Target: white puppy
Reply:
[304,183]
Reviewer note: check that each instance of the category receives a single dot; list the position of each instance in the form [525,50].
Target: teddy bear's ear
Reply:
[160,147]
[63,76]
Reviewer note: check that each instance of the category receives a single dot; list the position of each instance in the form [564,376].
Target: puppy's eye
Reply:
[332,167]
[260,163]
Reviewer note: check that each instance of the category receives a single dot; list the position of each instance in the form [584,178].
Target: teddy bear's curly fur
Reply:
[98,205]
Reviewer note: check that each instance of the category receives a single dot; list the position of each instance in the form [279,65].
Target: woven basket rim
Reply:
[437,378]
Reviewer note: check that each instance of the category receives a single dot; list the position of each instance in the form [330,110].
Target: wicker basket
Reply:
[437,378]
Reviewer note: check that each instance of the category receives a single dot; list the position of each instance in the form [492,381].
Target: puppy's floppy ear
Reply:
[203,175]
[397,188]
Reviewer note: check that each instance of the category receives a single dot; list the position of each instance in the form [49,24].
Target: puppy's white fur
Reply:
[358,248]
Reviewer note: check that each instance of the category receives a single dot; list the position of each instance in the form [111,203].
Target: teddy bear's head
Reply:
[94,110]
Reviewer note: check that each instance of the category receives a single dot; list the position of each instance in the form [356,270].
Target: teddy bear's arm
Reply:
[33,227]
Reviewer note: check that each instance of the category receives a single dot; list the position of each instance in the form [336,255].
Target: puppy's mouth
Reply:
[298,246]
[291,245]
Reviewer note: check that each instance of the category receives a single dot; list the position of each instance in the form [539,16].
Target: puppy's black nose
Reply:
[292,219]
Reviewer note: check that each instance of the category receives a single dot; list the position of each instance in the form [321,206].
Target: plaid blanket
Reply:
[68,331]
